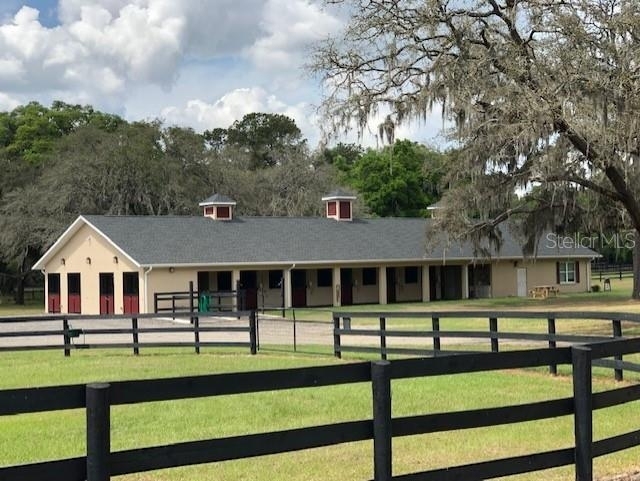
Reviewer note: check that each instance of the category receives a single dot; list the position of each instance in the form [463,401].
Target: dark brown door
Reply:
[346,287]
[106,293]
[299,288]
[391,285]
[73,298]
[203,281]
[53,292]
[131,292]
[249,284]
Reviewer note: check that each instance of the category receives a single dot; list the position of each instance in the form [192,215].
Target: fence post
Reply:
[383,338]
[66,338]
[583,423]
[336,337]
[551,323]
[252,333]
[191,308]
[295,331]
[493,329]
[196,333]
[155,302]
[382,435]
[98,432]
[617,332]
[435,327]
[134,328]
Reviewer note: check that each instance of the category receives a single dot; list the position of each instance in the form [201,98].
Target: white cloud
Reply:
[290,26]
[7,103]
[234,105]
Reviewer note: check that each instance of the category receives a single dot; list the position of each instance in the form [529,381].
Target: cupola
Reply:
[219,207]
[339,205]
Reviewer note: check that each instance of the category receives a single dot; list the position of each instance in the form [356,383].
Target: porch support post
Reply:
[288,298]
[336,286]
[382,285]
[465,281]
[426,292]
[235,285]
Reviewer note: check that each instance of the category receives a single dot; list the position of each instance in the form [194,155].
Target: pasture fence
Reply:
[61,327]
[351,325]
[100,463]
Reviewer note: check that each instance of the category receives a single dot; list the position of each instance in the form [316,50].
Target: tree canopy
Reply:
[543,97]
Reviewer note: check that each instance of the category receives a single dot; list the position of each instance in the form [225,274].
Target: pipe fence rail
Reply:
[100,463]
[59,332]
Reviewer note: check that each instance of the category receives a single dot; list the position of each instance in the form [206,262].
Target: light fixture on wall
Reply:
[172,269]
[63,261]
[115,259]
[88,260]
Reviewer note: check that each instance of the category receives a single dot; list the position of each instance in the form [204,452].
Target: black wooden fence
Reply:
[70,337]
[344,330]
[101,463]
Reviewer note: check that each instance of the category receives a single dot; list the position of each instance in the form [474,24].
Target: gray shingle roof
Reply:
[175,240]
[218,199]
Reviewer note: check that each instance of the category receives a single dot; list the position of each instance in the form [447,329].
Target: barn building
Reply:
[115,264]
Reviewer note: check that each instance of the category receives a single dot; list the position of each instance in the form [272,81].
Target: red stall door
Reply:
[130,292]
[73,298]
[106,293]
[53,293]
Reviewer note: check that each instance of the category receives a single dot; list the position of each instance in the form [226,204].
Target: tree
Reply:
[540,93]
[266,137]
[393,180]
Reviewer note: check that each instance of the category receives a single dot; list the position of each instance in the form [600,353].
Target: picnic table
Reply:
[543,292]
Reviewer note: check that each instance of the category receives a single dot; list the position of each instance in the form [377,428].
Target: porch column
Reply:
[336,286]
[465,281]
[287,288]
[382,285]
[588,273]
[235,282]
[426,291]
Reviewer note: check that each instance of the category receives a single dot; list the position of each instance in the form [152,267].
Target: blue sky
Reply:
[198,63]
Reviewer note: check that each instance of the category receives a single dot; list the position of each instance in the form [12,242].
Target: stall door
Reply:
[53,292]
[106,293]
[73,287]
[346,287]
[391,285]
[299,288]
[131,292]
[249,284]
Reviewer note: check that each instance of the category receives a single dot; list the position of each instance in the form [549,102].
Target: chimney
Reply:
[218,207]
[339,205]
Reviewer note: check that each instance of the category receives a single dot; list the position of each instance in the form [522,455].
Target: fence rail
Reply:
[605,270]
[100,463]
[343,330]
[70,336]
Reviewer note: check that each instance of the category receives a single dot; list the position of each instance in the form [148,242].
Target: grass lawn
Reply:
[42,436]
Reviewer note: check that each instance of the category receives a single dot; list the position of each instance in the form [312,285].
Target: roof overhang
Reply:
[339,197]
[67,234]
[204,204]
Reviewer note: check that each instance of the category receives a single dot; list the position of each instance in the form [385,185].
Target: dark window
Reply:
[73,280]
[224,212]
[208,210]
[275,279]
[411,275]
[54,283]
[130,283]
[224,281]
[106,284]
[331,208]
[345,210]
[369,276]
[325,277]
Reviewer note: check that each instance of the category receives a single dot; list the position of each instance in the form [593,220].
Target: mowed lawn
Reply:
[44,436]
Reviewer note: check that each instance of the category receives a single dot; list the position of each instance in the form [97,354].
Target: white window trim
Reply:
[565,271]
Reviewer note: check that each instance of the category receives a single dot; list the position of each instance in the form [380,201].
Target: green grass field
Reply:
[43,436]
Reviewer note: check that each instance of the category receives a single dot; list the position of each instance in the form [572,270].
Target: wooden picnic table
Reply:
[543,292]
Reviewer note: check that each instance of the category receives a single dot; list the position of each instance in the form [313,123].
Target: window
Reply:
[325,277]
[223,212]
[224,281]
[369,276]
[331,208]
[275,279]
[411,275]
[568,272]
[208,210]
